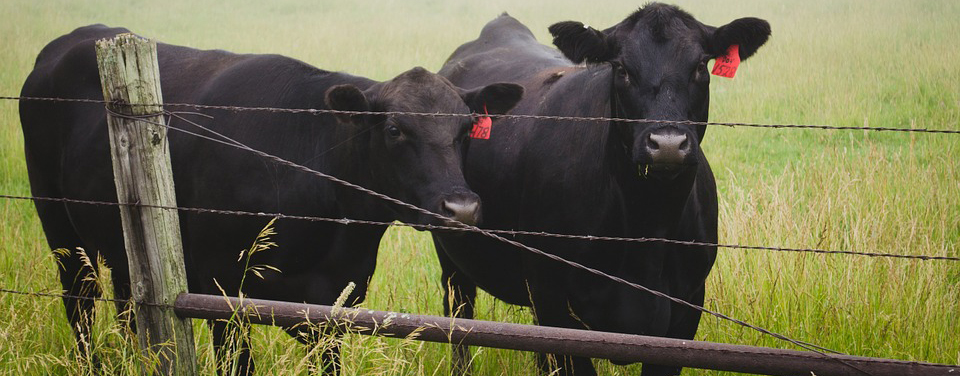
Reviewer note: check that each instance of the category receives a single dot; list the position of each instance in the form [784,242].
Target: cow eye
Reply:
[701,73]
[622,75]
[393,131]
[622,72]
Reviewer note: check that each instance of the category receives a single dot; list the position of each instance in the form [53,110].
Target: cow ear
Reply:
[580,43]
[495,98]
[346,98]
[750,33]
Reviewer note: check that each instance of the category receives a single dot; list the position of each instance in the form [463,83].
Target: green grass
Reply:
[877,63]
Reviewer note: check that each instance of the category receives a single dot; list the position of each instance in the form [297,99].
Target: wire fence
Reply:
[430,227]
[40,294]
[598,119]
[463,229]
[494,234]
[238,145]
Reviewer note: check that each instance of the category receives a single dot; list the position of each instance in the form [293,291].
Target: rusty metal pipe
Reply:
[585,343]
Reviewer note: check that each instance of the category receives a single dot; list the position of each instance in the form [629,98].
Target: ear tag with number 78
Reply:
[481,129]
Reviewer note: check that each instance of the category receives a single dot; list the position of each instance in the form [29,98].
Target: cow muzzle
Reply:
[461,207]
[668,148]
[665,153]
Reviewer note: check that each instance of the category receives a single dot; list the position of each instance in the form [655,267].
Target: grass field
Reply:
[878,63]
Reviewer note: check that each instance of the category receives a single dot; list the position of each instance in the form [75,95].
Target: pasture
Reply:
[846,63]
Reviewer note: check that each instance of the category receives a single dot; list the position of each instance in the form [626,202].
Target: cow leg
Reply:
[459,294]
[232,349]
[458,302]
[552,364]
[549,312]
[120,276]
[683,325]
[557,365]
[329,355]
[330,361]
[79,289]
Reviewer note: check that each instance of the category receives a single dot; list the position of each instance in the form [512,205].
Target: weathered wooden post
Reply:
[129,73]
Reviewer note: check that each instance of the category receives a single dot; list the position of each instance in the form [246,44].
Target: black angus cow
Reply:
[414,159]
[622,179]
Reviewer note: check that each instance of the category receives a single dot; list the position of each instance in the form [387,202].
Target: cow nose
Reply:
[463,209]
[668,147]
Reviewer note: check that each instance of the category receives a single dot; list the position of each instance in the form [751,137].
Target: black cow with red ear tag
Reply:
[627,179]
[416,159]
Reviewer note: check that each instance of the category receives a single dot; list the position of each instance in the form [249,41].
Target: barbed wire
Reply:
[82,297]
[239,145]
[431,227]
[236,144]
[599,119]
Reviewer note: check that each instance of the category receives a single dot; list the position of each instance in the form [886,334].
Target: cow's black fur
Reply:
[415,159]
[606,179]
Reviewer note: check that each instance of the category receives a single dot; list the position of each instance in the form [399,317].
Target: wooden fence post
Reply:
[129,73]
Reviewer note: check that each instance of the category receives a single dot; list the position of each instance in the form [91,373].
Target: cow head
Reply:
[659,59]
[419,159]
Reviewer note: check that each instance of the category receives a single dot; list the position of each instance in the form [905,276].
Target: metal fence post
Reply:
[129,73]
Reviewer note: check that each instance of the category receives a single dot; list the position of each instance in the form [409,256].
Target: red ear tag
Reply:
[726,65]
[481,129]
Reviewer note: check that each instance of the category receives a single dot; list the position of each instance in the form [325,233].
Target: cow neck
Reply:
[637,262]
[351,149]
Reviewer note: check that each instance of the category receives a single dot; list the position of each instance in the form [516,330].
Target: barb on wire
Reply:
[430,227]
[315,111]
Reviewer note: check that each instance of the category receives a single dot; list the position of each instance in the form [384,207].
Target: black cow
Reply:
[414,159]
[622,179]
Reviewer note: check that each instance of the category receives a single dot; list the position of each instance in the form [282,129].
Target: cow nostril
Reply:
[668,147]
[462,211]
[652,144]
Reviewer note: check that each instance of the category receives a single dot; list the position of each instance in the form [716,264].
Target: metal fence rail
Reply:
[585,343]
[574,342]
